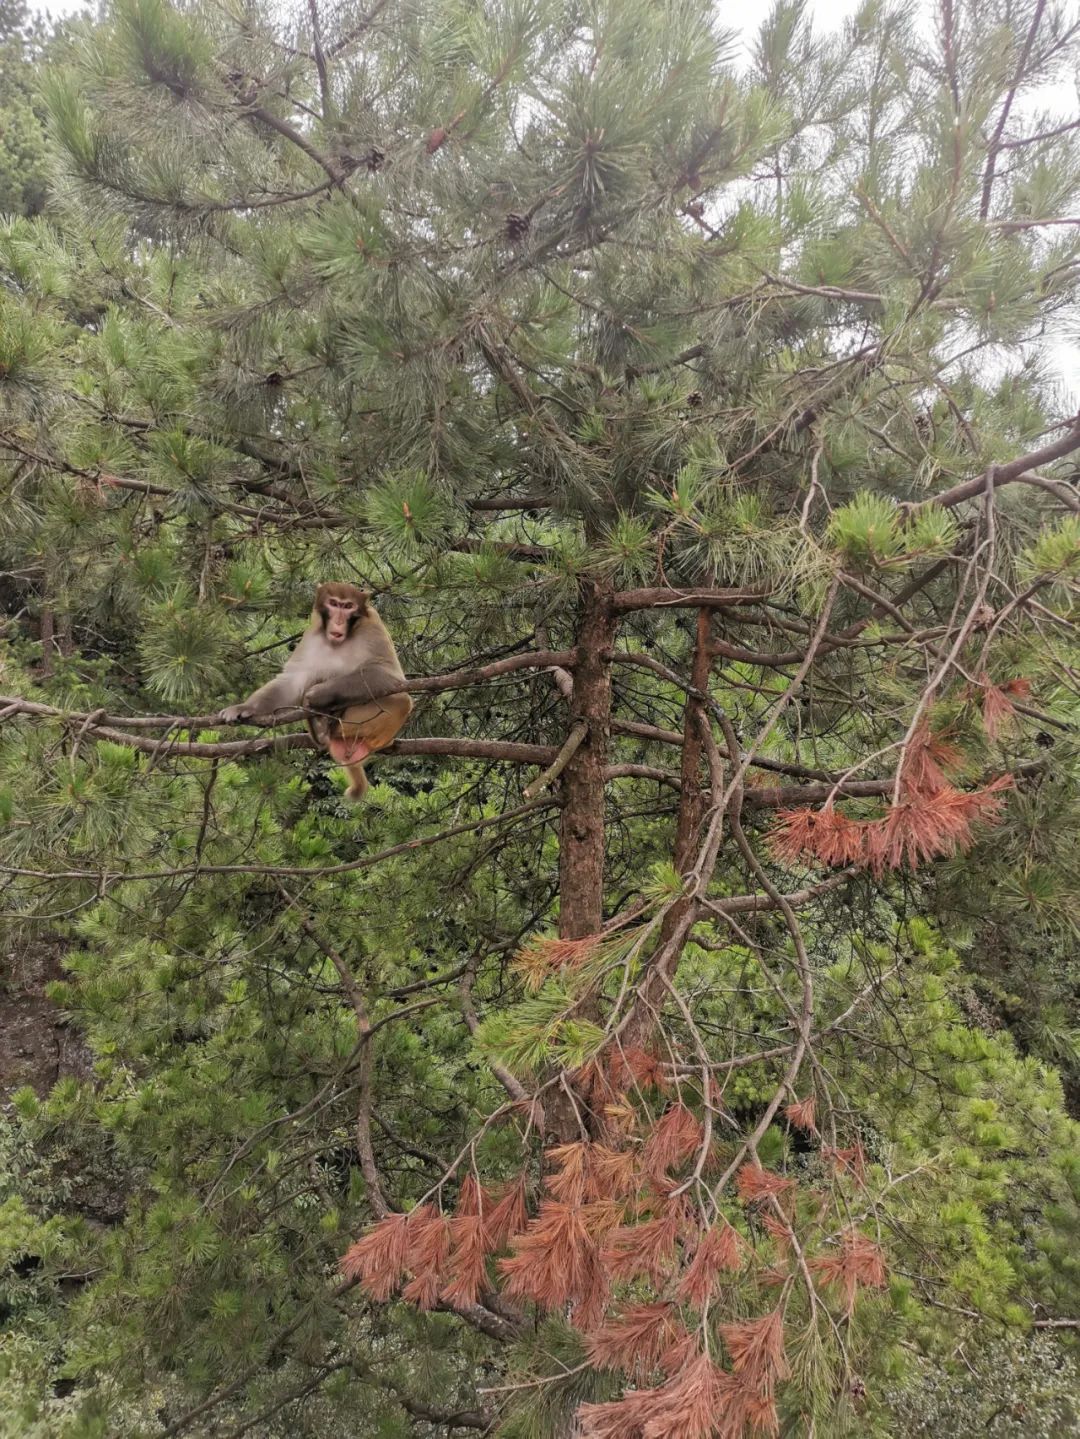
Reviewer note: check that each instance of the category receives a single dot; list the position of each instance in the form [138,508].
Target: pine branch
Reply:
[105,881]
[266,117]
[826,292]
[212,1401]
[1059,130]
[694,352]
[1007,474]
[276,1405]
[511,502]
[1010,95]
[455,679]
[501,751]
[357,31]
[570,747]
[1011,226]
[623,601]
[319,57]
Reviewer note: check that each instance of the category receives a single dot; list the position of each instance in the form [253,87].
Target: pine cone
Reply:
[517,227]
[373,160]
[695,399]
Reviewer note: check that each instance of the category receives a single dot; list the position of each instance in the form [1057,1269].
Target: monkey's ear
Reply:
[362,597]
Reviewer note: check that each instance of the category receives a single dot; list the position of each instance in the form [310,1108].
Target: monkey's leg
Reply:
[363,729]
[321,728]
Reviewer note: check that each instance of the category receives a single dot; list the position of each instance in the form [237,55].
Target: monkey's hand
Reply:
[247,713]
[324,698]
[370,683]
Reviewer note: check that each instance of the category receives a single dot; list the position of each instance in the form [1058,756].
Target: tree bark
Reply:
[581,835]
[582,832]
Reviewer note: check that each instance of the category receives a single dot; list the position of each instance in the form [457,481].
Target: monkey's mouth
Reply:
[337,637]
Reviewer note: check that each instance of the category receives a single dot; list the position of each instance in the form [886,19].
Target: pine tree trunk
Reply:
[581,836]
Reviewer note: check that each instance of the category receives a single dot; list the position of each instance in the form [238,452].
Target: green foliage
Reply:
[867,531]
[23,161]
[559,1381]
[182,648]
[511,301]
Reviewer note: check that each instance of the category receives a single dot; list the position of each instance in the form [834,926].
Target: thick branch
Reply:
[754,903]
[165,746]
[683,358]
[573,742]
[1008,473]
[289,132]
[662,598]
[826,292]
[421,684]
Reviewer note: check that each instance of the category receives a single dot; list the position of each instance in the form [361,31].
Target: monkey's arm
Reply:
[371,682]
[281,693]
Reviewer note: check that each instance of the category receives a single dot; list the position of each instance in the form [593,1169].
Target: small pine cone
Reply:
[695,399]
[373,160]
[435,140]
[517,227]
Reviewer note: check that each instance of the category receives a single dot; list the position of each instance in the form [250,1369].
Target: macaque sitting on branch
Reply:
[339,674]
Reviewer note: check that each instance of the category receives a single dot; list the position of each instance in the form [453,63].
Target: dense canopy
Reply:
[680,1039]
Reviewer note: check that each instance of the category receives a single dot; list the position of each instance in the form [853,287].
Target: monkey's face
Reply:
[339,607]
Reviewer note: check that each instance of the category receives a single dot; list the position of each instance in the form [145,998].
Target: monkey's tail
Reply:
[358,782]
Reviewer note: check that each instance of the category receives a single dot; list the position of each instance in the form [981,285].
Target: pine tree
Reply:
[694,428]
[23,171]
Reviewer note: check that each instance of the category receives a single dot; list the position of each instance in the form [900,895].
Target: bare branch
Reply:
[648,599]
[573,740]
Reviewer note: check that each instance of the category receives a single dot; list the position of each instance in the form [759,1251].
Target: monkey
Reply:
[339,673]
